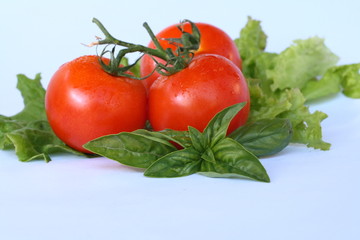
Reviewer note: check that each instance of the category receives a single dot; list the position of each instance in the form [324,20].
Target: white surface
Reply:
[313,194]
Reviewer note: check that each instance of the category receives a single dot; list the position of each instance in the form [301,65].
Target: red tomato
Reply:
[213,40]
[83,102]
[194,95]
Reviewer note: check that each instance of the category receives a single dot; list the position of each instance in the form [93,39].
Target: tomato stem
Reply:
[109,39]
[175,60]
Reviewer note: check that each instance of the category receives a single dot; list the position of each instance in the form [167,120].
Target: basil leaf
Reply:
[198,140]
[208,155]
[176,164]
[264,137]
[130,148]
[218,125]
[180,137]
[233,160]
[156,136]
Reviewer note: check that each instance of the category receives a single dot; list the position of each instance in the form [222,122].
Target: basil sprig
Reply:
[264,137]
[210,152]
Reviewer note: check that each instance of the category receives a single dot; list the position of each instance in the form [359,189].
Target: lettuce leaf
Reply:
[349,79]
[29,132]
[275,92]
[301,62]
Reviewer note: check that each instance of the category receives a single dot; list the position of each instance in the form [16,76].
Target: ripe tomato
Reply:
[194,95]
[84,102]
[213,40]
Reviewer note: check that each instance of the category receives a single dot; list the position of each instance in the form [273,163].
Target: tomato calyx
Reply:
[175,60]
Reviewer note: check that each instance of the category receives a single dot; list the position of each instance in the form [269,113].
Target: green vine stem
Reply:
[174,60]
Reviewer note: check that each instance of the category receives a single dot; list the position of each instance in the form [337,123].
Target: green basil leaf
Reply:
[156,136]
[198,140]
[208,155]
[130,148]
[264,137]
[219,124]
[180,137]
[233,160]
[176,164]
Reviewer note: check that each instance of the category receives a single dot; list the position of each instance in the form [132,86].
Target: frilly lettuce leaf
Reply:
[301,62]
[275,81]
[349,79]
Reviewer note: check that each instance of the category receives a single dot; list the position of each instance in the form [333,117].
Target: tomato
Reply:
[84,102]
[213,40]
[194,95]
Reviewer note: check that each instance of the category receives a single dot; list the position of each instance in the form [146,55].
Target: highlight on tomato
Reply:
[213,41]
[84,102]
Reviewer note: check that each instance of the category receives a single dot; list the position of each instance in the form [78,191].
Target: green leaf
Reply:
[219,124]
[135,69]
[329,84]
[180,137]
[251,45]
[350,79]
[37,141]
[7,126]
[155,136]
[344,78]
[176,164]
[33,94]
[208,155]
[308,129]
[131,149]
[28,132]
[252,40]
[264,137]
[198,139]
[301,62]
[233,160]
[289,104]
[306,126]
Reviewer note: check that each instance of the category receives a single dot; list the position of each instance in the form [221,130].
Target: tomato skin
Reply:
[83,102]
[213,41]
[194,95]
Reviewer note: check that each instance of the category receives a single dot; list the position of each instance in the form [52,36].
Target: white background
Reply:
[312,195]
